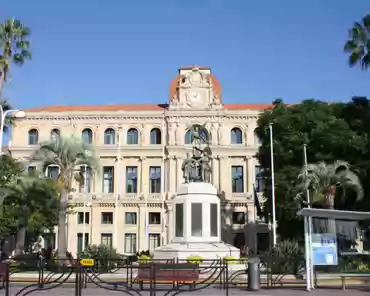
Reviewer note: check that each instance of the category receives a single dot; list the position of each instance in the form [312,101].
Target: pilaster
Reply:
[250,174]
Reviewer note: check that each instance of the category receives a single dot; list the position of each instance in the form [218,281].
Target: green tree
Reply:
[69,154]
[328,136]
[5,106]
[38,203]
[14,47]
[358,44]
[325,182]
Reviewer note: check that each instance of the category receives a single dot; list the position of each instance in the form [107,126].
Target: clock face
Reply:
[195,97]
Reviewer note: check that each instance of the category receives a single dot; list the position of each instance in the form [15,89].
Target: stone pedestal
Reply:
[197,225]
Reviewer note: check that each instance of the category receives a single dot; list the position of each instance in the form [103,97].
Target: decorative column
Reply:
[178,172]
[250,174]
[220,134]
[214,133]
[172,134]
[178,135]
[221,170]
[142,135]
[142,174]
[215,172]
[173,173]
[169,224]
[141,232]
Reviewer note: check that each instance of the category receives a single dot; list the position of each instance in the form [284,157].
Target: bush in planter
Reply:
[144,259]
[286,258]
[24,262]
[195,259]
[106,258]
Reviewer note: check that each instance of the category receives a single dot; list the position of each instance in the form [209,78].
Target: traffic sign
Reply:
[87,262]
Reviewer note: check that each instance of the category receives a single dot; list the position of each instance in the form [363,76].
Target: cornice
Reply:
[152,116]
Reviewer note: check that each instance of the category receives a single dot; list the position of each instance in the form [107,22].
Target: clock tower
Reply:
[195,88]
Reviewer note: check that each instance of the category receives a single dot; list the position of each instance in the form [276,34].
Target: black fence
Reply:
[170,277]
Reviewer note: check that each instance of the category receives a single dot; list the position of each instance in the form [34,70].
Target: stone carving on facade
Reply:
[178,134]
[220,134]
[197,167]
[171,134]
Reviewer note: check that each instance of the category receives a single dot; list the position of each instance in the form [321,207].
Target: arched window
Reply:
[132,136]
[54,134]
[87,136]
[257,140]
[109,136]
[33,137]
[155,136]
[205,137]
[236,136]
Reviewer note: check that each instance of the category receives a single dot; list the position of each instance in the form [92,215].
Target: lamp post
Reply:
[4,114]
[273,187]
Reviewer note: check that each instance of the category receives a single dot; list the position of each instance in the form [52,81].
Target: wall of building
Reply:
[168,155]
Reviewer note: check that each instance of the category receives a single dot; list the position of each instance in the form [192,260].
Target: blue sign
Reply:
[324,249]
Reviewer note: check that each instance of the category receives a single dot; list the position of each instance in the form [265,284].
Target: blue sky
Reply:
[118,51]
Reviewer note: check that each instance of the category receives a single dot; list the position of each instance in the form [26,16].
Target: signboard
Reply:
[87,262]
[324,249]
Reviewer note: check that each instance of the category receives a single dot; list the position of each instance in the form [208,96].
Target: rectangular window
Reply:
[214,220]
[31,170]
[52,172]
[131,179]
[130,243]
[107,239]
[179,212]
[239,218]
[131,218]
[80,217]
[155,179]
[237,179]
[260,178]
[154,241]
[79,241]
[154,218]
[196,219]
[49,240]
[107,218]
[108,179]
[88,175]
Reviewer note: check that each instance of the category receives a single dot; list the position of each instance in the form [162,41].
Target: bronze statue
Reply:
[197,168]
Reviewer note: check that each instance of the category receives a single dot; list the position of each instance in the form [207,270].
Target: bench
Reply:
[356,276]
[168,273]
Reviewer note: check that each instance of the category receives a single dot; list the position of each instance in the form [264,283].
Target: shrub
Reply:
[286,258]
[194,259]
[106,258]
[24,262]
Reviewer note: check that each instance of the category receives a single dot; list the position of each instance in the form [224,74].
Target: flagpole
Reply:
[309,261]
[118,190]
[273,187]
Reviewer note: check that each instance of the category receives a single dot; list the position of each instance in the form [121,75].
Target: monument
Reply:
[196,205]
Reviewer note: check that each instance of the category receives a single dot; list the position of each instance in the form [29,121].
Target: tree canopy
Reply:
[331,131]
[28,203]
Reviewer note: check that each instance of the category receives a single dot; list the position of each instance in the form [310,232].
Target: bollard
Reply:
[254,279]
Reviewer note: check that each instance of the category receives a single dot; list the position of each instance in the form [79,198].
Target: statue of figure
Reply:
[216,100]
[197,138]
[188,168]
[175,100]
[205,167]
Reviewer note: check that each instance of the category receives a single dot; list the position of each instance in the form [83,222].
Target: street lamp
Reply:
[16,114]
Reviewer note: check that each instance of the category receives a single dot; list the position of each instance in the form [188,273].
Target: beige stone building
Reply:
[127,204]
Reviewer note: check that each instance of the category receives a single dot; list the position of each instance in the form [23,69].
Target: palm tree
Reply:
[14,47]
[5,106]
[358,44]
[69,154]
[323,181]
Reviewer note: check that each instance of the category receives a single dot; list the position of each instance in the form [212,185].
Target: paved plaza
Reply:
[70,291]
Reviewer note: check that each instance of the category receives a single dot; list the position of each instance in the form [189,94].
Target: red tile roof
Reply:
[130,108]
